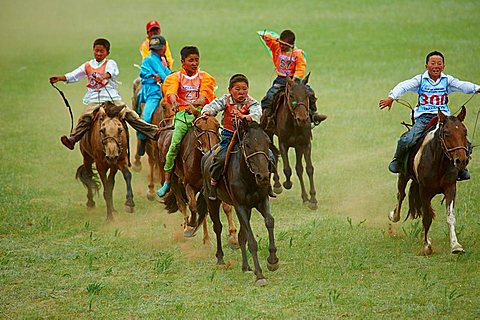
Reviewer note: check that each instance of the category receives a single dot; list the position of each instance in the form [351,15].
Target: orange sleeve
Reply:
[207,87]
[301,64]
[170,86]
[144,49]
[271,42]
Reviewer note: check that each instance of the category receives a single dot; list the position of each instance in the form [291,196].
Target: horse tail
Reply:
[414,201]
[202,209]
[88,178]
[170,202]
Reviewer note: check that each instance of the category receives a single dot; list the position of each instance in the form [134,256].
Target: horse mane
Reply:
[112,110]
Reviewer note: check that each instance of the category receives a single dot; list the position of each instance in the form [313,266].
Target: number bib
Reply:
[432,97]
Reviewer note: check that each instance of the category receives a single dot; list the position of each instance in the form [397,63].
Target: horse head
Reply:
[453,136]
[111,129]
[254,143]
[296,97]
[206,130]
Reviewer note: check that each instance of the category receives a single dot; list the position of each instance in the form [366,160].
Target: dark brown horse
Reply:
[161,117]
[294,130]
[106,144]
[433,168]
[187,177]
[244,185]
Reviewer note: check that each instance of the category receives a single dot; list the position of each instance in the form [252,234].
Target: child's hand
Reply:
[384,103]
[157,78]
[54,79]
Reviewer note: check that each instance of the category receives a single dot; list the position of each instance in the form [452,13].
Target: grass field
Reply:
[344,260]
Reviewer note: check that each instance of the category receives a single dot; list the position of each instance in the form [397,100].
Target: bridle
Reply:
[292,105]
[199,132]
[106,139]
[445,149]
[247,157]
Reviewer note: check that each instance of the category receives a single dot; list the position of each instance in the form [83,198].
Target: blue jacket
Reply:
[151,66]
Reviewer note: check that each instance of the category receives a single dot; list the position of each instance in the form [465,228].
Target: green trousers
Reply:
[182,122]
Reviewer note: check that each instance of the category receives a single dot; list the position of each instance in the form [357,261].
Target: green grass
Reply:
[58,260]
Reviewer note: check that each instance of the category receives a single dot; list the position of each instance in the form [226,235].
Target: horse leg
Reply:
[277,187]
[310,170]
[272,260]
[90,183]
[299,171]
[107,191]
[242,240]
[450,202]
[214,209]
[427,217]
[286,166]
[402,181]
[182,206]
[232,230]
[206,236]
[137,163]
[188,230]
[244,217]
[151,195]
[129,204]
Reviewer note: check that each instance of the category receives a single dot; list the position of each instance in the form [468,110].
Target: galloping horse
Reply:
[106,144]
[187,177]
[244,185]
[161,117]
[433,167]
[294,130]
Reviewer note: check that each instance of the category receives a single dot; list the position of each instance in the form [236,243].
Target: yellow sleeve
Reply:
[207,87]
[301,64]
[144,49]
[169,57]
[170,85]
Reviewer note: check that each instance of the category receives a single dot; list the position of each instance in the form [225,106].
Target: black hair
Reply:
[287,36]
[188,50]
[237,78]
[102,42]
[435,53]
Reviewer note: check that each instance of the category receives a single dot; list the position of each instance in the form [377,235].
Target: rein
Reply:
[242,146]
[66,104]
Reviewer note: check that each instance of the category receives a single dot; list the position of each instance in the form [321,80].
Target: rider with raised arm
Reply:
[433,87]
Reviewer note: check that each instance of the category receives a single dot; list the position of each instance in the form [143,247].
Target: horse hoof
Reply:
[312,205]
[287,185]
[427,250]
[188,232]
[393,217]
[261,282]
[137,166]
[272,266]
[233,243]
[151,196]
[220,262]
[129,209]
[457,249]
[277,190]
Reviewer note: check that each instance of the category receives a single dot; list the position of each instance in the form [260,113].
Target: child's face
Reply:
[239,91]
[153,32]
[161,51]
[286,45]
[100,52]
[435,66]
[190,63]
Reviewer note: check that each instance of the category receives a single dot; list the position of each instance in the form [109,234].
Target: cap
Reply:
[152,24]
[157,42]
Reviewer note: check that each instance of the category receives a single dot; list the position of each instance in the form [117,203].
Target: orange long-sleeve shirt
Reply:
[289,63]
[188,88]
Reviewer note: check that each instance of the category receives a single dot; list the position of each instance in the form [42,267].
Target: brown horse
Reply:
[187,177]
[244,185]
[294,130]
[433,168]
[161,117]
[106,144]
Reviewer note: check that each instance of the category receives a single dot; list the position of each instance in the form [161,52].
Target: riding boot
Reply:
[271,194]
[315,117]
[166,185]
[396,164]
[69,142]
[141,147]
[212,195]
[463,175]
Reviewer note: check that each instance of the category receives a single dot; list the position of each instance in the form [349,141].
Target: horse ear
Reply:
[441,117]
[305,80]
[462,114]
